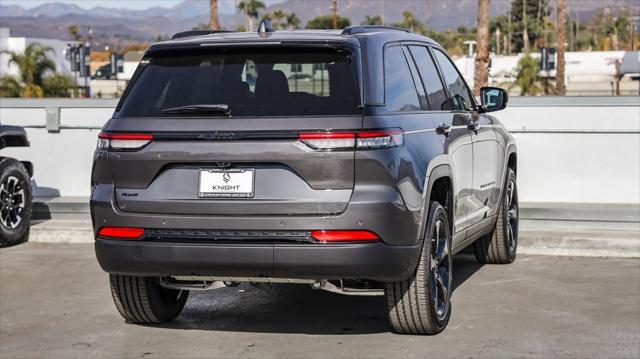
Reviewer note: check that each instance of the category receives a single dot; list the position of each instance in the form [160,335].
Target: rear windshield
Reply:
[276,82]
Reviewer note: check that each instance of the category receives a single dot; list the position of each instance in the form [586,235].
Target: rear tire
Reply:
[422,303]
[142,300]
[15,202]
[500,246]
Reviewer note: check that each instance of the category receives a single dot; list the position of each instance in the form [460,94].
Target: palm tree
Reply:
[74,31]
[10,86]
[213,5]
[562,34]
[33,63]
[527,76]
[371,20]
[277,17]
[250,9]
[293,21]
[482,50]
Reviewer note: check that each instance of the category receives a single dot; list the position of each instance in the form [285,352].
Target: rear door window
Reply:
[436,94]
[399,90]
[276,82]
[461,94]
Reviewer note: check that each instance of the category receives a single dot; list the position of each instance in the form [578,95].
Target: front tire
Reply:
[422,303]
[142,300]
[15,202]
[500,246]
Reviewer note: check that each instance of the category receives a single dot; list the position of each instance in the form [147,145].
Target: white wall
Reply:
[582,149]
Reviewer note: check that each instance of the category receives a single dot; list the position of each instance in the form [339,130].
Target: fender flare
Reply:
[441,170]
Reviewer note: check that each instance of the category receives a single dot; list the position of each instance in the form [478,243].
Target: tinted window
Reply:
[436,94]
[459,90]
[399,90]
[281,82]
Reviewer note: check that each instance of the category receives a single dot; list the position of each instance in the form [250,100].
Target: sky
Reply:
[126,4]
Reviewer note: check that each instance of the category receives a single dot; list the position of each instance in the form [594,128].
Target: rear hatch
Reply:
[236,132]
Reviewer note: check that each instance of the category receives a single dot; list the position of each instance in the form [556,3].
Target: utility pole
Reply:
[215,24]
[382,10]
[334,9]
[498,41]
[525,34]
[562,29]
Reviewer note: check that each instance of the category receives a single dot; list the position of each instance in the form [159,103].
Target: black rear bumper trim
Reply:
[374,261]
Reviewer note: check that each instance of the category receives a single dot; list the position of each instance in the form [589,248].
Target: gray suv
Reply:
[357,161]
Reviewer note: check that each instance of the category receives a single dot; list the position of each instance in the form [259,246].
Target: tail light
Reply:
[123,141]
[344,236]
[121,232]
[328,141]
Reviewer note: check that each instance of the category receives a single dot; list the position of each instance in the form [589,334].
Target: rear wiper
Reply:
[212,108]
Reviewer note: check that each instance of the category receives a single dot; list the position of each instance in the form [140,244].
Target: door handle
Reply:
[443,129]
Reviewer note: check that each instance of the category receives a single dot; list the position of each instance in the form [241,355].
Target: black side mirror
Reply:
[493,98]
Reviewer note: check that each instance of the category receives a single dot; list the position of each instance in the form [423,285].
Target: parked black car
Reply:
[358,162]
[15,189]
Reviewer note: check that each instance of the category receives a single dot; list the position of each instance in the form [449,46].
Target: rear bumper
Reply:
[374,261]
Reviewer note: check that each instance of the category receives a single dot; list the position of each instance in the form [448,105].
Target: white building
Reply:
[19,44]
[584,70]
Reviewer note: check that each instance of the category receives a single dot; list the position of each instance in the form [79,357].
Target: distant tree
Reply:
[326,22]
[74,31]
[213,22]
[10,86]
[410,22]
[371,20]
[250,9]
[58,85]
[202,26]
[293,21]
[277,18]
[482,50]
[536,11]
[527,76]
[33,63]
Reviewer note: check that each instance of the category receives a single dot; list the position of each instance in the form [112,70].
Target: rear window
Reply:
[276,82]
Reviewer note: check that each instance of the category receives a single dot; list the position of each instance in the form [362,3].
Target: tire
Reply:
[15,202]
[500,246]
[412,303]
[142,300]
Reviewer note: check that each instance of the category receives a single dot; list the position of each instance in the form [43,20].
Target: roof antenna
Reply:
[265,27]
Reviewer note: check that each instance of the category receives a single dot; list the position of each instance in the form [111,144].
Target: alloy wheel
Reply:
[12,202]
[512,215]
[441,263]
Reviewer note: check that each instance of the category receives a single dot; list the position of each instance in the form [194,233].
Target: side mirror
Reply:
[493,98]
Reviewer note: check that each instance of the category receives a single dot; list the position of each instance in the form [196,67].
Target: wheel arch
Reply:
[440,187]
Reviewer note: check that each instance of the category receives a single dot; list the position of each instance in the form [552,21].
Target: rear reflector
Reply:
[121,232]
[349,140]
[344,236]
[123,141]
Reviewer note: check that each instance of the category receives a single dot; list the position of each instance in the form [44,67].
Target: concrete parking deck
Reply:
[55,302]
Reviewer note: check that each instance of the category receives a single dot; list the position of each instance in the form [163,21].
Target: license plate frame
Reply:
[240,174]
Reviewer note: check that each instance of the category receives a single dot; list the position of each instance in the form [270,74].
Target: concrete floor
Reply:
[55,302]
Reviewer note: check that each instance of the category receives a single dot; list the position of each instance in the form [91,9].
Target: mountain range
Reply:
[121,27]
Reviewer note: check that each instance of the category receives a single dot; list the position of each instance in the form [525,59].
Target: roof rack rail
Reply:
[190,33]
[359,29]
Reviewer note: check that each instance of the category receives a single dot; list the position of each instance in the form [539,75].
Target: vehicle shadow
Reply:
[297,309]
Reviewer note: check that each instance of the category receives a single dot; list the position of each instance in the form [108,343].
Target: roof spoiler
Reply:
[359,29]
[190,33]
